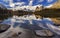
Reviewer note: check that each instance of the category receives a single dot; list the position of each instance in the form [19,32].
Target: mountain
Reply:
[4,13]
[26,8]
[2,6]
[56,5]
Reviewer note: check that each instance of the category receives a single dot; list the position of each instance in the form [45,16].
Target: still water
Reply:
[32,23]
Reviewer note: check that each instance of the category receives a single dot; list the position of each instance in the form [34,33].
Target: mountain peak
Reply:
[2,6]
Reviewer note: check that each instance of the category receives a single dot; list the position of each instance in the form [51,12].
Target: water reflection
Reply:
[33,23]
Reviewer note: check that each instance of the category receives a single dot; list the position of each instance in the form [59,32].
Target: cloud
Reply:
[30,2]
[41,0]
[11,4]
[49,1]
[5,1]
[48,6]
[17,4]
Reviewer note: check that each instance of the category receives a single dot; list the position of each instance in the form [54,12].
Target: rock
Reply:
[44,33]
[4,27]
[1,21]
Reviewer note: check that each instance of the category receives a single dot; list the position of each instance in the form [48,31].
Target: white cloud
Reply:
[48,6]
[30,2]
[49,1]
[41,0]
[12,5]
[6,1]
[17,4]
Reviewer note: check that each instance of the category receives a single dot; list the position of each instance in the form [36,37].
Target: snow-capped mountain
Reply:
[29,8]
[26,8]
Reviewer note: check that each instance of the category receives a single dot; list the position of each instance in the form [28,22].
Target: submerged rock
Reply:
[4,27]
[44,33]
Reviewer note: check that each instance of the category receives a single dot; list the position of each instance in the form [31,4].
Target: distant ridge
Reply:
[2,6]
[56,5]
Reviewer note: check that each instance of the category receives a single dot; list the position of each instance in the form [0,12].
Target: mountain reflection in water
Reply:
[31,23]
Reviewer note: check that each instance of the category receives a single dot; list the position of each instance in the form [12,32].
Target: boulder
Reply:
[4,27]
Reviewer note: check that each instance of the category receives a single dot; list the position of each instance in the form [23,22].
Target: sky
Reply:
[26,2]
